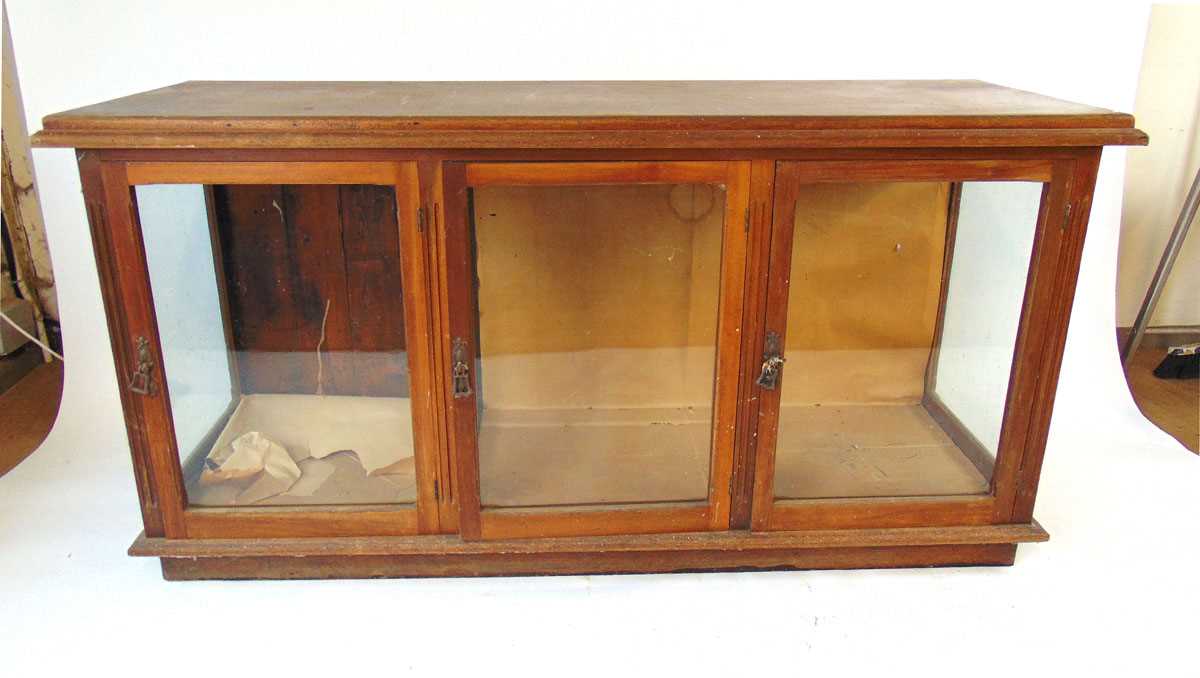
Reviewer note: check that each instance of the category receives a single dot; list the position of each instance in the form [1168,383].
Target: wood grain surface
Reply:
[590,114]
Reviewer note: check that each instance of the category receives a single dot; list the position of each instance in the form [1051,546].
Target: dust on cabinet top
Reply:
[587,114]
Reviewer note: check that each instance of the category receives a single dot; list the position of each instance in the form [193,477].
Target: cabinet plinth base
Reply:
[487,565]
[449,556]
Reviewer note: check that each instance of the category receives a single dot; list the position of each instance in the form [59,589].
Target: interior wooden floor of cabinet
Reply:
[531,458]
[868,450]
[603,456]
[551,458]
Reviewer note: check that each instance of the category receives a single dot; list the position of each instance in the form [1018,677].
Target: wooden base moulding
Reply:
[449,556]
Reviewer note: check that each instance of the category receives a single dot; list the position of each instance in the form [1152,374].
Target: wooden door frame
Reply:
[1042,328]
[125,283]
[456,287]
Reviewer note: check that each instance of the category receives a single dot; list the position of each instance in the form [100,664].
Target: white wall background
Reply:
[1159,176]
[1113,593]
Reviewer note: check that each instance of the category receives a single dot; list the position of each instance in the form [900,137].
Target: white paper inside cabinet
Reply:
[377,430]
[373,462]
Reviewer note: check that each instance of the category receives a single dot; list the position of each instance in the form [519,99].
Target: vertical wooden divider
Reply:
[778,262]
[110,287]
[415,282]
[457,282]
[432,202]
[133,278]
[1073,230]
[1033,333]
[729,342]
[758,252]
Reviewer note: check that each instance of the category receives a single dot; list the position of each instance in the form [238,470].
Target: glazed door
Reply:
[896,302]
[276,345]
[592,344]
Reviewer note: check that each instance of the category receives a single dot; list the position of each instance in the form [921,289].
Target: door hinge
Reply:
[1066,218]
[420,220]
[746,221]
[437,495]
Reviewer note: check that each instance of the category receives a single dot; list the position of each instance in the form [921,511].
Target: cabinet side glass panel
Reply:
[280,317]
[597,336]
[984,297]
[882,395]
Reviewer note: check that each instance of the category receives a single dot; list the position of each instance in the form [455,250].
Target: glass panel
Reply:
[857,415]
[280,314]
[597,337]
[985,294]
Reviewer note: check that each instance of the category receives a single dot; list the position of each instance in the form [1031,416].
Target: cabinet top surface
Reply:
[436,114]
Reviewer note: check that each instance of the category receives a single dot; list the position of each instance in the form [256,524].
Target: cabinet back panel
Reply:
[865,283]
[291,252]
[560,269]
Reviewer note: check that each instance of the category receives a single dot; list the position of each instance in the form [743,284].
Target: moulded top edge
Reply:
[584,99]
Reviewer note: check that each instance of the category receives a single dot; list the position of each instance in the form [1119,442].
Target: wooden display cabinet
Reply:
[429,329]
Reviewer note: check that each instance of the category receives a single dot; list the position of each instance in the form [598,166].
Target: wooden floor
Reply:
[638,455]
[1171,404]
[27,411]
[585,457]
[868,450]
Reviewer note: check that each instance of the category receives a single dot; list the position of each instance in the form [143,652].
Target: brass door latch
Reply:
[772,364]
[142,381]
[461,370]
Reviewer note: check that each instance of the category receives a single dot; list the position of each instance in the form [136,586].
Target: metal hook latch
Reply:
[461,370]
[772,364]
[142,381]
